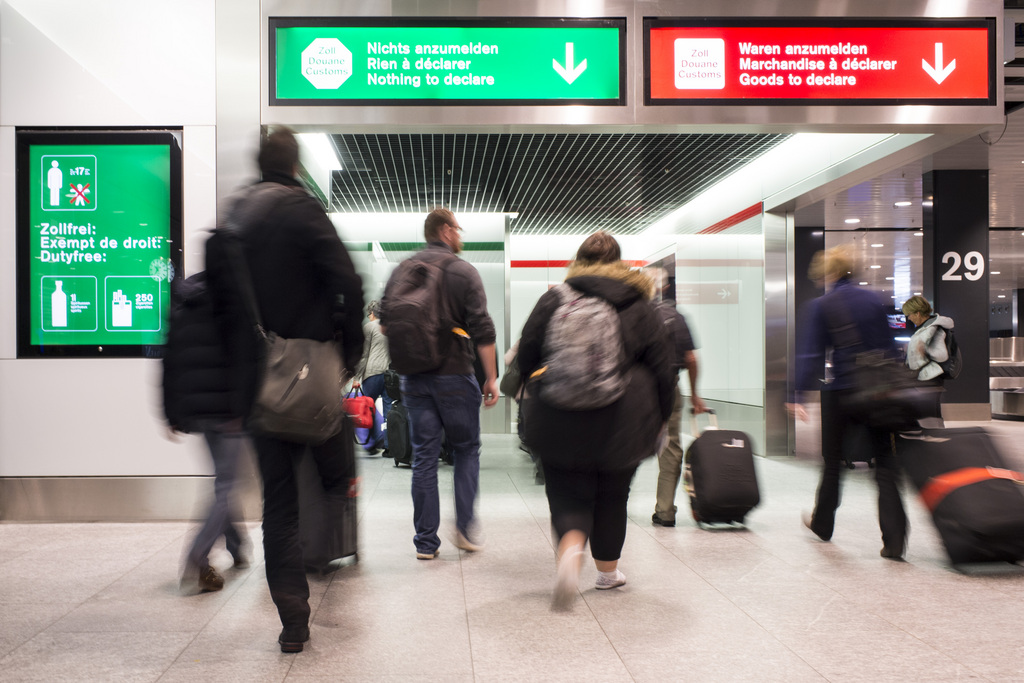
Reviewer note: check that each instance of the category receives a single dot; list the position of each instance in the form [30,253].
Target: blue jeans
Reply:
[374,388]
[448,404]
[225,448]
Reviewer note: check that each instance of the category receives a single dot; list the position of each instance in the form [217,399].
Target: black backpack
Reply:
[419,327]
[955,363]
[196,380]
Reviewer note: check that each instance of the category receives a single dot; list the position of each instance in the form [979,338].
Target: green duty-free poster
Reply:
[99,236]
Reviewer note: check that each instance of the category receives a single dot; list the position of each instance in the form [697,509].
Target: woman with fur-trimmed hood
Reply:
[590,456]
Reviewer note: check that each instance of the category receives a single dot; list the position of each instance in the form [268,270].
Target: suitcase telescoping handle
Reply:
[695,423]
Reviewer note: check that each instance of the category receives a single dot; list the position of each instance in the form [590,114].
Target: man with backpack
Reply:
[670,459]
[434,311]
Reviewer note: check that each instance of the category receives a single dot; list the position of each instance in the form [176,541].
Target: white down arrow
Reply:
[568,72]
[938,72]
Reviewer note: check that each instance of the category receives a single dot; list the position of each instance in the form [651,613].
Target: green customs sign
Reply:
[99,240]
[388,61]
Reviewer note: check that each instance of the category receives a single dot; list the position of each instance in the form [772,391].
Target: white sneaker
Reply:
[567,579]
[606,580]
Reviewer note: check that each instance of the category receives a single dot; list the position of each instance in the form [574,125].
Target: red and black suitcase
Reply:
[976,501]
[720,477]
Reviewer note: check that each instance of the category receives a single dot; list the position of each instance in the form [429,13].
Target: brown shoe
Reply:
[210,580]
[293,639]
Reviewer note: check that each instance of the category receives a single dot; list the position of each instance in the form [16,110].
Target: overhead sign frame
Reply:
[569,64]
[702,26]
[99,239]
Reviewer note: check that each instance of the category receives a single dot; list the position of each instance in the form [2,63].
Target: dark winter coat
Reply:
[305,283]
[845,303]
[618,436]
[197,383]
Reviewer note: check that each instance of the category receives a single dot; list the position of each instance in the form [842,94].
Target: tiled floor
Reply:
[100,602]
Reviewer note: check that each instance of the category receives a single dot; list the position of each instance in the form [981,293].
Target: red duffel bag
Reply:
[359,408]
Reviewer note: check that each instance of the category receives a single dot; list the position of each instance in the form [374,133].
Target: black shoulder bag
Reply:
[299,381]
[886,394]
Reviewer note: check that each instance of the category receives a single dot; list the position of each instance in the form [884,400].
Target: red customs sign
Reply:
[819,61]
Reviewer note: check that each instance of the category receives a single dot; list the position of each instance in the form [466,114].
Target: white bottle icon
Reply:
[59,306]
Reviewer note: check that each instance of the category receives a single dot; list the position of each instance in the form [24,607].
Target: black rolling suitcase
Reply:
[399,443]
[976,501]
[719,475]
[328,528]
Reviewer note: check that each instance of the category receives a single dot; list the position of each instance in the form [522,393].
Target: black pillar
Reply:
[956,280]
[807,242]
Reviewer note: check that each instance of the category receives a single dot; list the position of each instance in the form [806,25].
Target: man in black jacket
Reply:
[305,287]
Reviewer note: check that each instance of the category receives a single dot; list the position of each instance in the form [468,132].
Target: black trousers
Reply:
[836,427]
[592,502]
[286,574]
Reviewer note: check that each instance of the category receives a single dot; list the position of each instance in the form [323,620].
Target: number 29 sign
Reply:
[971,266]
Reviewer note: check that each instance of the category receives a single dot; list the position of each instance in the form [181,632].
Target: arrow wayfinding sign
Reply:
[527,61]
[820,61]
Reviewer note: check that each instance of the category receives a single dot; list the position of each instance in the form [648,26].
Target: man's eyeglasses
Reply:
[457,228]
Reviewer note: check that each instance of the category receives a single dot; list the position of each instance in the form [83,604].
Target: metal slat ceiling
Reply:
[558,183]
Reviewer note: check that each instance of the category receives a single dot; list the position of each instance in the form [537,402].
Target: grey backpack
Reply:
[584,359]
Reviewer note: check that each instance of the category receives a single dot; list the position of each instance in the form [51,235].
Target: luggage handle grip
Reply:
[712,421]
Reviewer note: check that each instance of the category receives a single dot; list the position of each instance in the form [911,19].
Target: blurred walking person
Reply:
[684,357]
[200,397]
[305,287]
[600,317]
[848,309]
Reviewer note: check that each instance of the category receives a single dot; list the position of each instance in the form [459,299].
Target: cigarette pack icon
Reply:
[121,310]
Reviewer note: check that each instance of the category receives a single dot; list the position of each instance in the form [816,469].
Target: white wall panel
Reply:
[95,417]
[729,335]
[115,62]
[110,63]
[199,167]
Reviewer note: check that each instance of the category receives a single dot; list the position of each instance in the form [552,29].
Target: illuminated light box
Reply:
[833,61]
[404,61]
[99,240]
